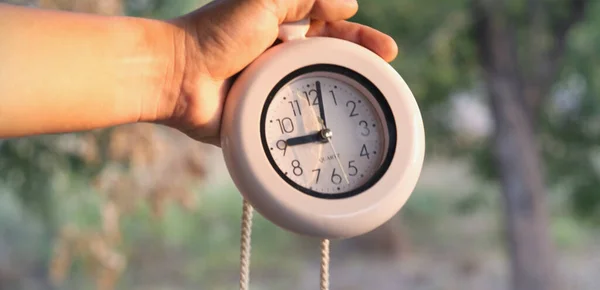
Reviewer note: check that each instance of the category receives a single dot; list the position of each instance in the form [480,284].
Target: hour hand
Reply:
[316,137]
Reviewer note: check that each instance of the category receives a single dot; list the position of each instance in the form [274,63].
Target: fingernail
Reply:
[351,2]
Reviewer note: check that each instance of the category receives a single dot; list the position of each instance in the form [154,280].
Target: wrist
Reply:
[157,60]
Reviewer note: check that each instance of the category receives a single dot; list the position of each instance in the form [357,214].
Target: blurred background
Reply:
[509,197]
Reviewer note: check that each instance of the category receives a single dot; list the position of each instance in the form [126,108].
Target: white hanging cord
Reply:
[246,244]
[325,264]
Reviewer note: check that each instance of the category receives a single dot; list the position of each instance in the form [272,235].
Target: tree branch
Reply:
[496,39]
[537,53]
[562,29]
[549,66]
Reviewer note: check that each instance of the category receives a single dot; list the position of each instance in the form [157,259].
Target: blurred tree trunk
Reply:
[390,240]
[517,86]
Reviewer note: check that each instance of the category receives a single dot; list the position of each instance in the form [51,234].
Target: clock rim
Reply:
[274,198]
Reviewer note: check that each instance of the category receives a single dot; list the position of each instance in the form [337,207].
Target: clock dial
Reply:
[327,133]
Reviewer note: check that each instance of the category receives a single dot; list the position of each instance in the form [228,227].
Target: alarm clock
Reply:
[322,136]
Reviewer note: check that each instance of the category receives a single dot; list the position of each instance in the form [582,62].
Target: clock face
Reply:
[328,131]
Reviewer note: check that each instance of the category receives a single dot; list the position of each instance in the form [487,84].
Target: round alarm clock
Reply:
[322,136]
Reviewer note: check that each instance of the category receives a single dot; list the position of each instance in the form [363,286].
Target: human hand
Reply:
[215,42]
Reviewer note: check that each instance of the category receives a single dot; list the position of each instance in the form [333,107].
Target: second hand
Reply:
[335,153]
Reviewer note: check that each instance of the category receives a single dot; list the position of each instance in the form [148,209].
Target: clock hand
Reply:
[313,113]
[338,160]
[321,105]
[329,135]
[316,137]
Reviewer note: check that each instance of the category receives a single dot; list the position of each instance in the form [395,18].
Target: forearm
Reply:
[63,72]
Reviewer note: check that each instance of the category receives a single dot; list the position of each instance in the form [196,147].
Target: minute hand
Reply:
[321,104]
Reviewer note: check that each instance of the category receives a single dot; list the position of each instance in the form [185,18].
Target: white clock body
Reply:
[275,120]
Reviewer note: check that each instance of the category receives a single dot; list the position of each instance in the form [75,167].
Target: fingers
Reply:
[333,10]
[326,10]
[374,40]
[327,21]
